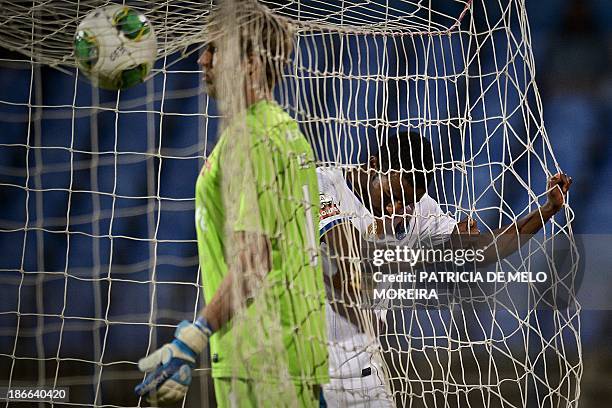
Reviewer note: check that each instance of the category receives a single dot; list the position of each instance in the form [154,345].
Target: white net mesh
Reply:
[97,187]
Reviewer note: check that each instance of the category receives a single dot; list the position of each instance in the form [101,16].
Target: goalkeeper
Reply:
[276,258]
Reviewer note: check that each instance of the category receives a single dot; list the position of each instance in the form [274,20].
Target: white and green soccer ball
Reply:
[115,47]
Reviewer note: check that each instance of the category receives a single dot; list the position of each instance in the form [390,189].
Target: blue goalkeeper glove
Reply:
[170,366]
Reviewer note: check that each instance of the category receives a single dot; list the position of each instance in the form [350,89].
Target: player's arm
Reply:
[510,238]
[247,274]
[170,366]
[345,284]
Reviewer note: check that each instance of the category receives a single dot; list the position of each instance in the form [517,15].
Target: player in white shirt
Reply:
[357,374]
[379,202]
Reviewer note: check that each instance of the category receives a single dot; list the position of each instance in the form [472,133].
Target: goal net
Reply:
[99,254]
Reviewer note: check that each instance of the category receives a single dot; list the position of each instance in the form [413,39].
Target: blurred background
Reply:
[573,53]
[98,259]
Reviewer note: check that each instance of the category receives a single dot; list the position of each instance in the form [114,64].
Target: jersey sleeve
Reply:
[432,226]
[330,213]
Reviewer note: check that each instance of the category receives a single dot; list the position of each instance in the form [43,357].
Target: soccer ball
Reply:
[115,46]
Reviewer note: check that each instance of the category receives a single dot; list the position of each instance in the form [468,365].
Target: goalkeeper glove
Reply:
[170,366]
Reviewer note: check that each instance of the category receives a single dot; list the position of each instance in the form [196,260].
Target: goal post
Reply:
[97,220]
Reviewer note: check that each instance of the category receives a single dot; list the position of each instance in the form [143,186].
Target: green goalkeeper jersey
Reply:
[285,324]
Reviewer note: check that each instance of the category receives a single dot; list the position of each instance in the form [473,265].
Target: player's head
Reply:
[265,44]
[403,170]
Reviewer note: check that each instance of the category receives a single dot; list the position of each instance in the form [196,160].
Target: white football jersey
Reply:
[338,203]
[428,225]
